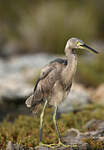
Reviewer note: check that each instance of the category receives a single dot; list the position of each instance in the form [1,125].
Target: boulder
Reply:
[18,75]
[77,98]
[98,94]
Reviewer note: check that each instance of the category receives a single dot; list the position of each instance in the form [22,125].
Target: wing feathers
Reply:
[43,87]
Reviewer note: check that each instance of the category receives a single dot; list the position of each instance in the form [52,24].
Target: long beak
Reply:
[87,47]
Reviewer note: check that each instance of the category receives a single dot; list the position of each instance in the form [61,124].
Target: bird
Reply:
[54,83]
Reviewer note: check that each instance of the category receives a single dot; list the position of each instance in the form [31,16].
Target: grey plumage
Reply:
[44,87]
[55,79]
[55,82]
[60,60]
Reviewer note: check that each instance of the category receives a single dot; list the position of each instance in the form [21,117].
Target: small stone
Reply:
[92,124]
[10,146]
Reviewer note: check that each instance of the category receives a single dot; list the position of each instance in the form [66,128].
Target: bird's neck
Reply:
[70,69]
[71,56]
[69,52]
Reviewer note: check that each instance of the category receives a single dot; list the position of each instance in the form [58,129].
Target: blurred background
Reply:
[34,32]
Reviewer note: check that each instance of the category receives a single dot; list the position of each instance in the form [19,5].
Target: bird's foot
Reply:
[45,145]
[59,144]
[53,146]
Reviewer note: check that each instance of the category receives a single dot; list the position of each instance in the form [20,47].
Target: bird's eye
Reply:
[78,43]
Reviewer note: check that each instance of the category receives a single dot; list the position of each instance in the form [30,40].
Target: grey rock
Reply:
[12,90]
[76,139]
[93,124]
[77,98]
[98,94]
[19,63]
[44,148]
[17,73]
[10,146]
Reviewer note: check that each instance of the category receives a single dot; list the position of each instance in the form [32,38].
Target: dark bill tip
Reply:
[93,50]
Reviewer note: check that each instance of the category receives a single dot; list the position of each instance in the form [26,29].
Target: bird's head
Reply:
[75,43]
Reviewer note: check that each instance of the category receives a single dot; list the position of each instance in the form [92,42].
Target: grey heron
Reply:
[55,82]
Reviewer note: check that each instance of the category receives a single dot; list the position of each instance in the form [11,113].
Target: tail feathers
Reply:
[29,101]
[34,107]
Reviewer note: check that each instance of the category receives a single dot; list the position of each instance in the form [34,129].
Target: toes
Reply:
[52,146]
[45,145]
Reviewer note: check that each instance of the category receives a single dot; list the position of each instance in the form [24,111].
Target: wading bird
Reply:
[55,82]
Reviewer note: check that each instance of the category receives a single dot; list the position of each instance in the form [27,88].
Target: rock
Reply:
[92,124]
[85,141]
[77,98]
[14,91]
[98,94]
[10,146]
[75,137]
[17,74]
[44,148]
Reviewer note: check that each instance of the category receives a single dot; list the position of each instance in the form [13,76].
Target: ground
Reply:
[24,130]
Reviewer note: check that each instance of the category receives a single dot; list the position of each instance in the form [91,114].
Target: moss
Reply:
[91,72]
[25,129]
[94,144]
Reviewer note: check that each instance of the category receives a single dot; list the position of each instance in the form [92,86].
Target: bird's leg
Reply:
[41,127]
[41,120]
[55,123]
[57,130]
[56,126]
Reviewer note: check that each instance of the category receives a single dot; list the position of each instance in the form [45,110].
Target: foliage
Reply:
[94,144]
[25,129]
[91,72]
[46,25]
